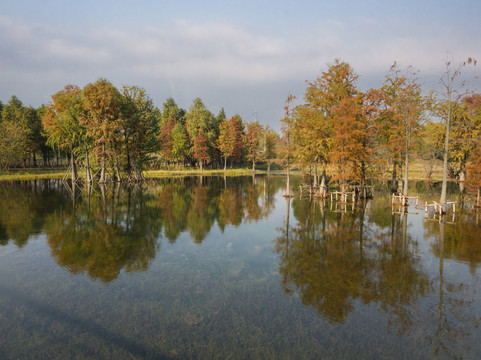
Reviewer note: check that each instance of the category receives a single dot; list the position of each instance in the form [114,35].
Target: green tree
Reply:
[26,118]
[102,120]
[138,129]
[170,110]
[61,121]
[198,117]
[180,143]
[13,144]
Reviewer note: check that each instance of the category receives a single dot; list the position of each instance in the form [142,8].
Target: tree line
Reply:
[349,135]
[352,135]
[116,134]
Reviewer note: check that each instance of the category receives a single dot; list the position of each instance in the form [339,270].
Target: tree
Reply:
[26,118]
[61,121]
[225,143]
[451,95]
[252,142]
[473,173]
[102,119]
[287,128]
[180,143]
[13,144]
[201,149]
[165,139]
[430,145]
[270,145]
[327,120]
[405,106]
[198,117]
[213,137]
[170,109]
[465,130]
[230,141]
[138,127]
[236,130]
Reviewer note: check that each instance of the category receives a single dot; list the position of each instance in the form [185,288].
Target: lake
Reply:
[227,268]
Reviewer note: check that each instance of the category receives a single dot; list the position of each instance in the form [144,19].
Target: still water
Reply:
[214,268]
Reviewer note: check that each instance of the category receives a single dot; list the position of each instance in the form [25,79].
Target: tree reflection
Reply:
[104,229]
[102,234]
[24,205]
[336,258]
[454,241]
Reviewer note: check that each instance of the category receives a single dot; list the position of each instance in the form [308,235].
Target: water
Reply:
[214,268]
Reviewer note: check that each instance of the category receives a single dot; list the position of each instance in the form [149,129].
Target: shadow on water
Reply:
[88,328]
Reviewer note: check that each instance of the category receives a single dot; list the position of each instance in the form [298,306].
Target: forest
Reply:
[338,133]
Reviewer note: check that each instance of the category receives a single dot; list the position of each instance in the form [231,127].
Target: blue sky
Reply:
[245,56]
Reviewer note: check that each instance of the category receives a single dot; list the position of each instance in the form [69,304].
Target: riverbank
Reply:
[39,173]
[418,170]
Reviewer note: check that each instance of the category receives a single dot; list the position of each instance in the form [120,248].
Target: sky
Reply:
[243,56]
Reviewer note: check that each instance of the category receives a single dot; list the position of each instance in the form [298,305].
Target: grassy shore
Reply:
[418,170]
[32,174]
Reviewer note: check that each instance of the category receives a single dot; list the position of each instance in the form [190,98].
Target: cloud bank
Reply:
[224,64]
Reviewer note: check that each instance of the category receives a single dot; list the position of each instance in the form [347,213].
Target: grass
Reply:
[210,172]
[417,171]
[39,173]
[31,174]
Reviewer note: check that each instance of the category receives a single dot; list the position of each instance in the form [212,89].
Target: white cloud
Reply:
[214,56]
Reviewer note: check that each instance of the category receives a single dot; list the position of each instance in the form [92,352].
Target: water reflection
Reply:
[104,229]
[364,280]
[334,259]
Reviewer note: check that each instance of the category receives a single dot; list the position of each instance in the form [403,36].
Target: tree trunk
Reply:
[102,169]
[253,165]
[444,187]
[87,165]
[137,175]
[201,162]
[268,165]
[45,158]
[73,166]
[323,187]
[288,185]
[462,179]
[117,168]
[394,179]
[406,170]
[225,163]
